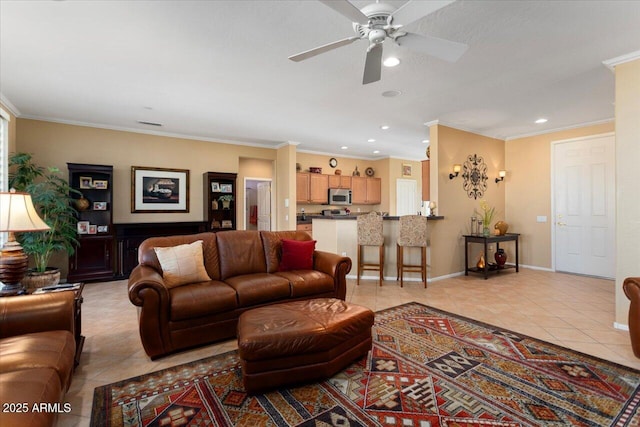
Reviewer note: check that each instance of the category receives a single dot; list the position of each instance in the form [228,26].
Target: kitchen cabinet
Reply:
[305,227]
[312,188]
[340,181]
[426,170]
[366,191]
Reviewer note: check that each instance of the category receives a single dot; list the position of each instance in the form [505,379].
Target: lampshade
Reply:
[18,214]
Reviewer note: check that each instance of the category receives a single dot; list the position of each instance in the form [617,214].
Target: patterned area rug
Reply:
[427,368]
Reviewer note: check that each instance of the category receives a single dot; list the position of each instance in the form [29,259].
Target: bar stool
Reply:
[370,234]
[412,234]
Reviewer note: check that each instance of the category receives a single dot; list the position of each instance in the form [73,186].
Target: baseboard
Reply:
[620,326]
[535,267]
[406,279]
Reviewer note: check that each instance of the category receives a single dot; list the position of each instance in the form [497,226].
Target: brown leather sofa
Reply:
[244,271]
[37,349]
[631,288]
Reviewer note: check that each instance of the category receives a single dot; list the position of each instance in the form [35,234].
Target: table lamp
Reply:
[17,214]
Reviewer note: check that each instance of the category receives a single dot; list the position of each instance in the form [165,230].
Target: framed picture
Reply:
[406,169]
[226,188]
[93,229]
[100,184]
[159,190]
[99,206]
[103,229]
[215,187]
[86,182]
[83,227]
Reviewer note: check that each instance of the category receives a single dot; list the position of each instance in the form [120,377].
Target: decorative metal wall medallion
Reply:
[474,173]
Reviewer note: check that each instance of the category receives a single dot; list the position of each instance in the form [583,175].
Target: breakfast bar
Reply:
[339,234]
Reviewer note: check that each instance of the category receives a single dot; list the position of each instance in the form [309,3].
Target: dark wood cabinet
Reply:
[130,236]
[219,214]
[93,257]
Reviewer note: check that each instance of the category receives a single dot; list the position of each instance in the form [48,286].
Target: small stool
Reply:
[412,234]
[301,341]
[370,234]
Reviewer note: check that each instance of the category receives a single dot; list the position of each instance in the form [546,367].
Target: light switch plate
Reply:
[541,218]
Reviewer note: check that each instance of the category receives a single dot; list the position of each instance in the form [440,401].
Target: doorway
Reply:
[583,176]
[257,215]
[406,197]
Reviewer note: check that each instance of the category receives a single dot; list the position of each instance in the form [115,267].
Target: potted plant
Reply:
[226,200]
[51,195]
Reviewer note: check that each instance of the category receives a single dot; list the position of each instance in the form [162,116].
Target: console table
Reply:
[478,238]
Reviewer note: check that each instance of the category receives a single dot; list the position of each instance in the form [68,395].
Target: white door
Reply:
[264,206]
[584,202]
[406,197]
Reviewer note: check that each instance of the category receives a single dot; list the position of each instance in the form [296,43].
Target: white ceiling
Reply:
[218,70]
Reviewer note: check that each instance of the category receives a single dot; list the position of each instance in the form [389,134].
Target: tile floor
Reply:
[572,311]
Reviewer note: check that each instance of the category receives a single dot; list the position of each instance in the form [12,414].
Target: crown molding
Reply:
[628,57]
[9,106]
[542,132]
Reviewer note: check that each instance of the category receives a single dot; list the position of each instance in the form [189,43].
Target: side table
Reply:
[77,315]
[486,240]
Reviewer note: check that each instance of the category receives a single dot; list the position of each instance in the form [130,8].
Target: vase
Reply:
[485,231]
[480,263]
[82,204]
[226,204]
[214,205]
[502,228]
[501,257]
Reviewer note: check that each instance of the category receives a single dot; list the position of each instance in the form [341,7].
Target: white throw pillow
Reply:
[182,264]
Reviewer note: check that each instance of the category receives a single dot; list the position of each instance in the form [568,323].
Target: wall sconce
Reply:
[456,171]
[501,176]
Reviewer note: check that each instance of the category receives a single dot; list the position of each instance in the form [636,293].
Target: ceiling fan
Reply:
[377,22]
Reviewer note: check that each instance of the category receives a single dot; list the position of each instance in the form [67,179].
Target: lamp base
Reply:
[13,266]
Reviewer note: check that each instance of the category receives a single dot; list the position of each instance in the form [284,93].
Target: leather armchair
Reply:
[631,288]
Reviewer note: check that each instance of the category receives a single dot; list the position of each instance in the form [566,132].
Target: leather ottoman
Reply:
[301,341]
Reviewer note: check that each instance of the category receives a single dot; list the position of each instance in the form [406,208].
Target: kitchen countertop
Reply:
[309,218]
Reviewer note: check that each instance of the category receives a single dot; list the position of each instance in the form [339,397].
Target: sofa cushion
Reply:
[30,386]
[308,282]
[147,255]
[259,288]
[297,255]
[182,264]
[201,299]
[272,242]
[52,349]
[241,253]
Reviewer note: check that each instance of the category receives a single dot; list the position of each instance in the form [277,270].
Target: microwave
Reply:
[339,196]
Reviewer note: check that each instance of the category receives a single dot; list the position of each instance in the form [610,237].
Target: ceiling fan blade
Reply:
[440,48]
[373,65]
[347,9]
[414,10]
[322,49]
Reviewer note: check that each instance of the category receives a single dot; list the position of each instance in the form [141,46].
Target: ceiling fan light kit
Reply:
[378,22]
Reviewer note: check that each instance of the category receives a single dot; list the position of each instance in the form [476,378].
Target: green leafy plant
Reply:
[487,213]
[227,197]
[51,195]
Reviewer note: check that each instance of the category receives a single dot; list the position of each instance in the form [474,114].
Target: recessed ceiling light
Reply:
[371,140]
[391,61]
[539,121]
[391,93]
[425,141]
[344,147]
[376,151]
[384,127]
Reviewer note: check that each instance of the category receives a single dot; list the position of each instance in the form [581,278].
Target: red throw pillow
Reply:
[297,254]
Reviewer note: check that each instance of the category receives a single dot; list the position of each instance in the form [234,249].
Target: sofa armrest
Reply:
[37,313]
[631,287]
[148,291]
[336,266]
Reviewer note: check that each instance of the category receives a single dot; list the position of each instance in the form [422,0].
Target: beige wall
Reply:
[55,144]
[452,146]
[528,190]
[627,189]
